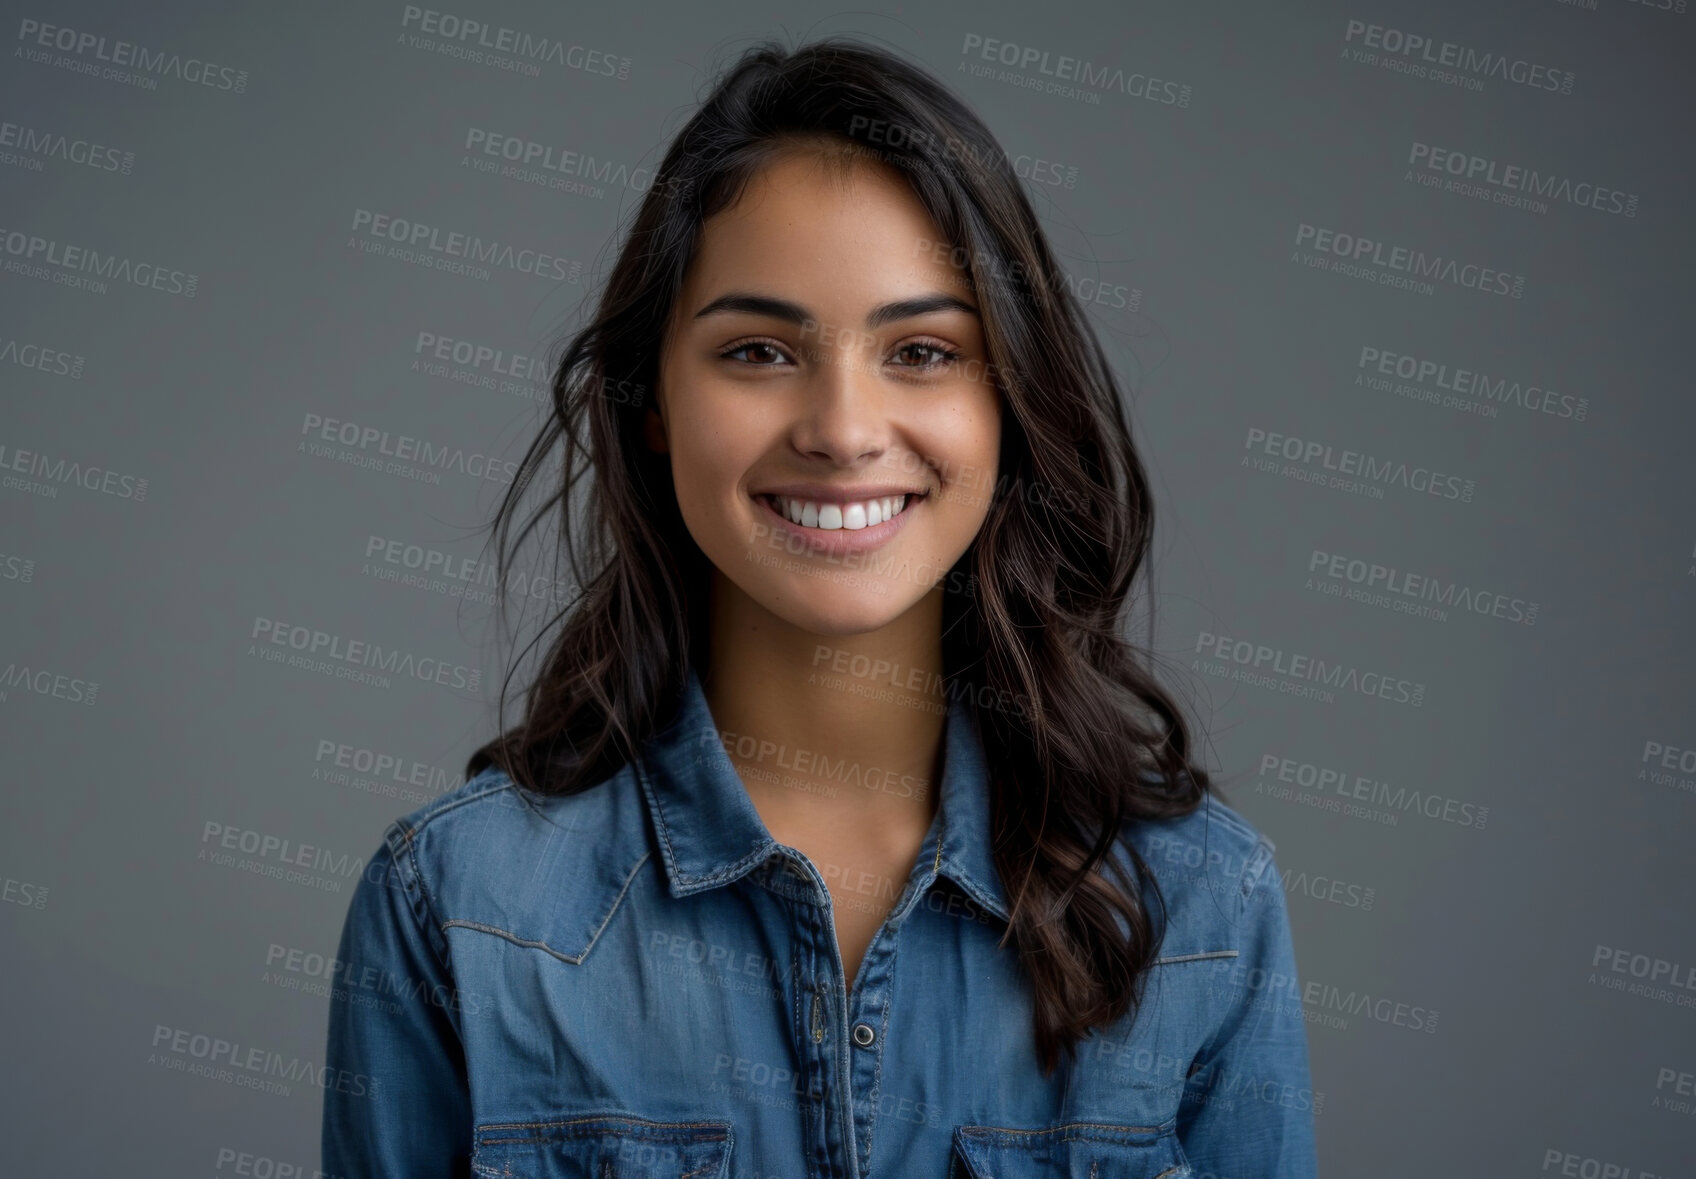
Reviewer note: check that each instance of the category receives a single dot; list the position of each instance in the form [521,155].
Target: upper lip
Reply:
[829,493]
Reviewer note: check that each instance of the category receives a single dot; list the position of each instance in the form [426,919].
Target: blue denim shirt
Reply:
[639,980]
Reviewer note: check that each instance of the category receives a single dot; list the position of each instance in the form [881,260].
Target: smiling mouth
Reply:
[840,516]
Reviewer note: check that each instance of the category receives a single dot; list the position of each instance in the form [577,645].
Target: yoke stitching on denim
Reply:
[575,960]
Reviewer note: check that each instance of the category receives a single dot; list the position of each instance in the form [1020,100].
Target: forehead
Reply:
[806,227]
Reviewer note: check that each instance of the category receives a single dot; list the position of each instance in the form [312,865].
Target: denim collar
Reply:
[710,834]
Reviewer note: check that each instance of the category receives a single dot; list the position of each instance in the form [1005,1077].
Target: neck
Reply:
[829,733]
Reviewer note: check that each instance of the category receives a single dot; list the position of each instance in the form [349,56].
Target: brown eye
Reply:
[767,351]
[930,355]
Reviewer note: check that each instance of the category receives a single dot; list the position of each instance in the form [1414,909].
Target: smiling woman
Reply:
[803,396]
[844,831]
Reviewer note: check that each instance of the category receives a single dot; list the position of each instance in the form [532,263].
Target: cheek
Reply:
[710,454]
[970,449]
[705,480]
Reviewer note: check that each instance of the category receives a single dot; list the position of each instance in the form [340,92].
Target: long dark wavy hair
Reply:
[1096,742]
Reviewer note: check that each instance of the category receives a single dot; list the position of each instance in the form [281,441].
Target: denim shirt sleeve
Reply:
[1248,1106]
[388,1021]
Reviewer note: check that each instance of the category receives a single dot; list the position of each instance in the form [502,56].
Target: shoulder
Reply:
[1208,865]
[1213,845]
[477,810]
[477,792]
[490,810]
[492,855]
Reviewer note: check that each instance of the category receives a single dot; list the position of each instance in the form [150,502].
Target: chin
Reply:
[839,611]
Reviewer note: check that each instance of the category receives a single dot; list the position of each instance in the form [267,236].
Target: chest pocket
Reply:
[1077,1150]
[602,1147]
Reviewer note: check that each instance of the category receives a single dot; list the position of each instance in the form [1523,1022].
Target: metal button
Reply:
[796,870]
[864,1035]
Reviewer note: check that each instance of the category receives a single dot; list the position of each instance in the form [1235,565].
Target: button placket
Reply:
[864,1041]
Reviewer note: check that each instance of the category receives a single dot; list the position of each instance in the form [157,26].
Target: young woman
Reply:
[844,833]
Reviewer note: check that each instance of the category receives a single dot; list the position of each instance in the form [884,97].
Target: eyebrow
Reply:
[751,303]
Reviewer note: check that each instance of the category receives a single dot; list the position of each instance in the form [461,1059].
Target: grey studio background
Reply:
[1421,442]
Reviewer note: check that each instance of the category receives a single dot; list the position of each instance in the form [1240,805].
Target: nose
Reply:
[843,417]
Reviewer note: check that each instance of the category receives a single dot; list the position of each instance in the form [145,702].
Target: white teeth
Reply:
[833,516]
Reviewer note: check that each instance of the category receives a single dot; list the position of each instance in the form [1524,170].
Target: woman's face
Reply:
[825,358]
